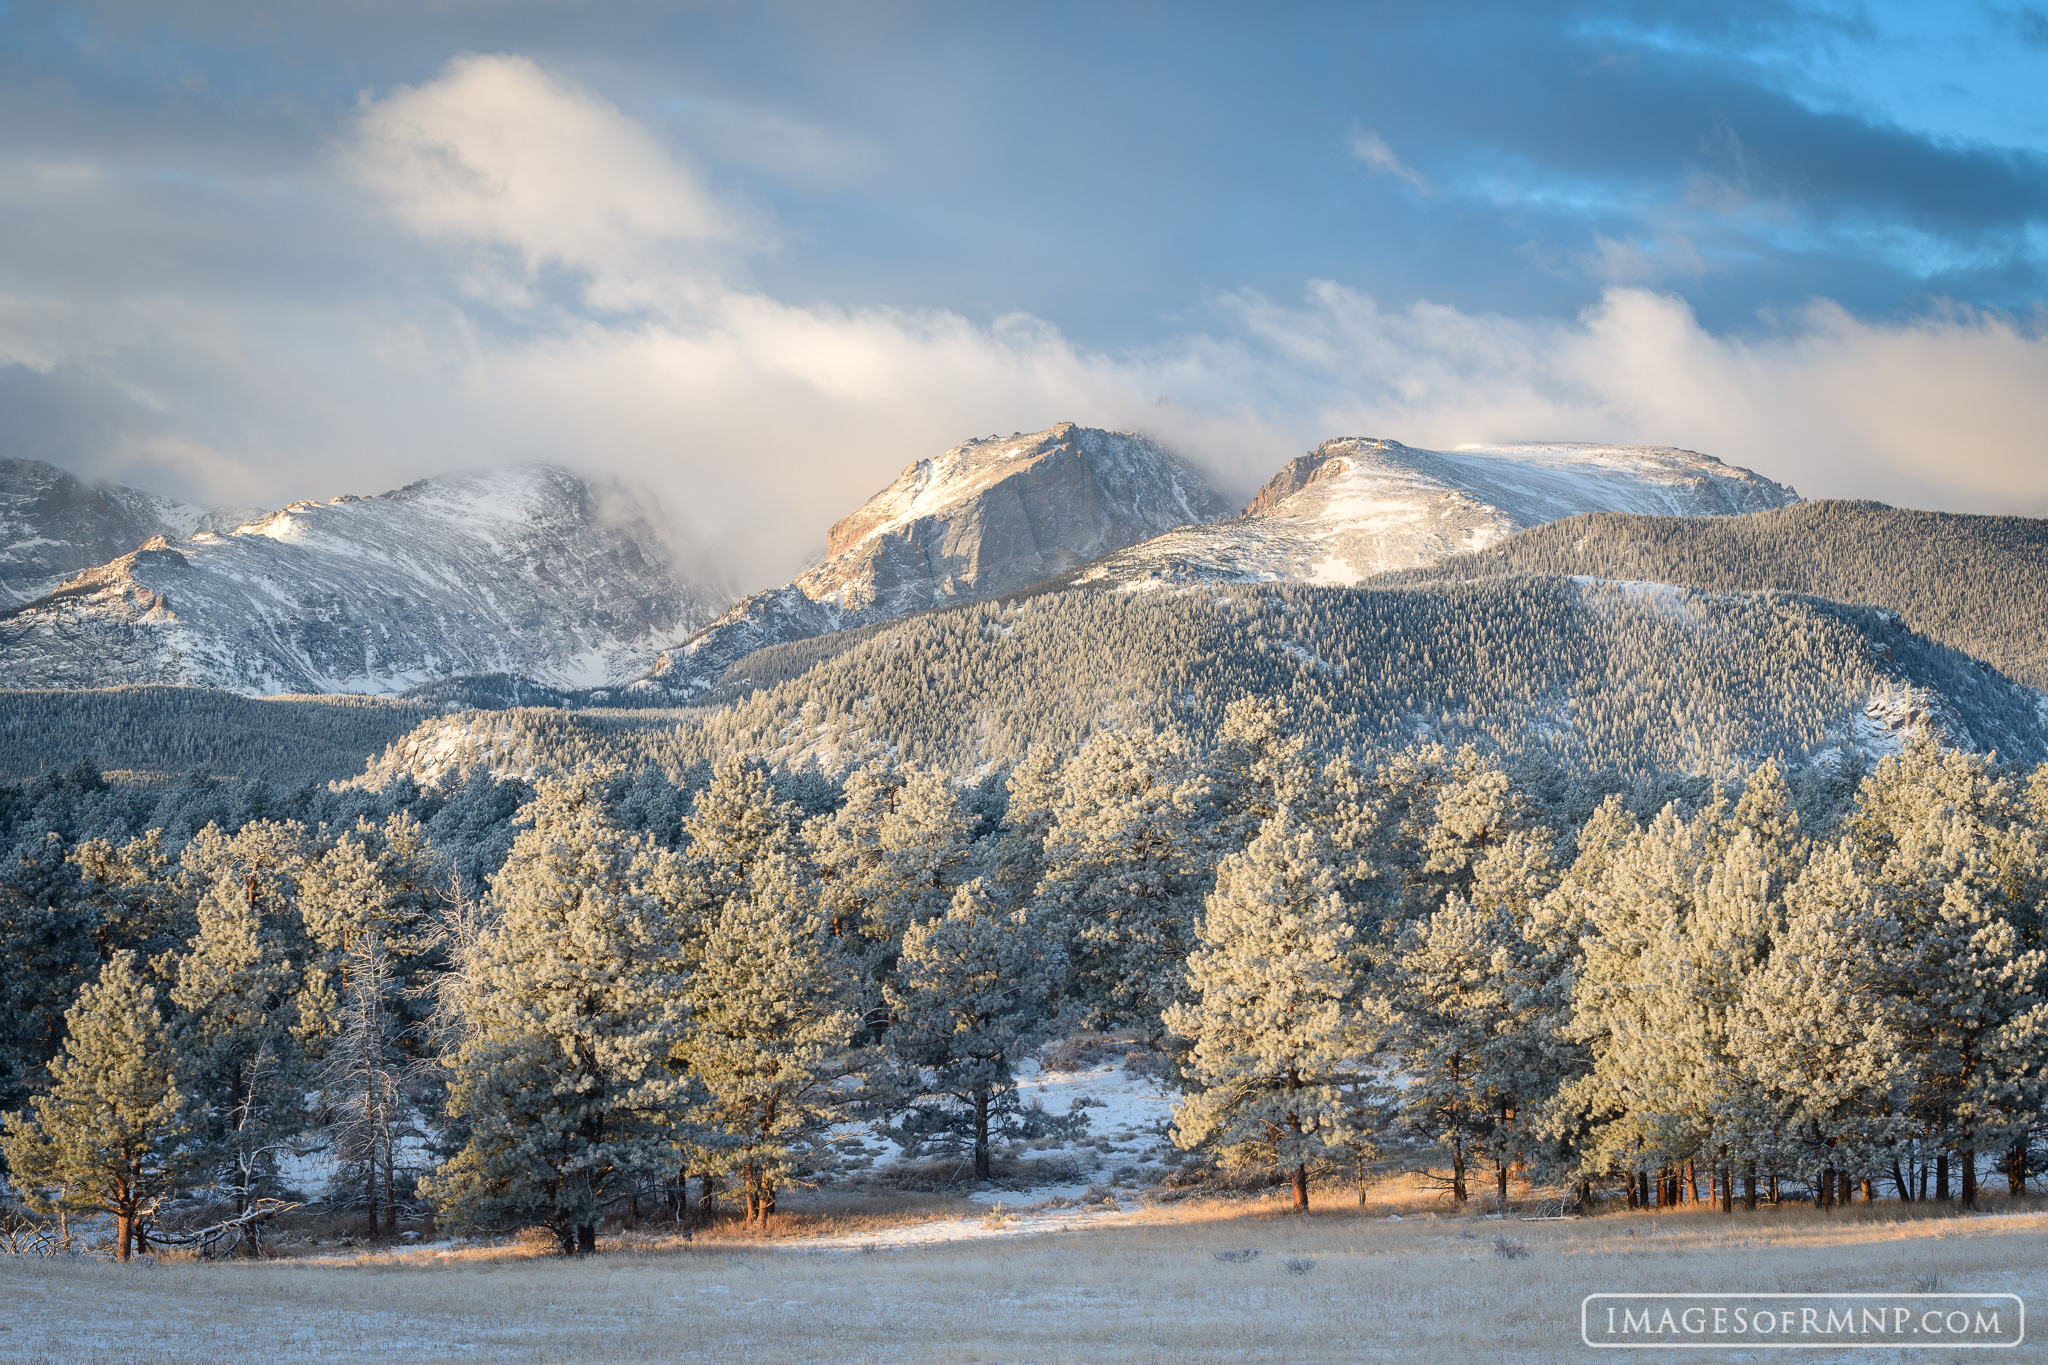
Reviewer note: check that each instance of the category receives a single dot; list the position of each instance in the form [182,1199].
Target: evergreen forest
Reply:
[519,1002]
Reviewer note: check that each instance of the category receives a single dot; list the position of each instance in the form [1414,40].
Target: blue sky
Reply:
[758,257]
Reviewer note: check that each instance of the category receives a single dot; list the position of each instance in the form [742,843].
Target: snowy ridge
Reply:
[1357,506]
[528,571]
[989,516]
[52,525]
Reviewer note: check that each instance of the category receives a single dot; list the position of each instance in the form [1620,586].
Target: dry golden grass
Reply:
[1145,1286]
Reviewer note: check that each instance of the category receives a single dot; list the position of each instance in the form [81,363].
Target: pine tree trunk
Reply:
[1941,1177]
[680,1204]
[1749,1187]
[1727,1189]
[982,1168]
[2016,1170]
[586,1239]
[1501,1188]
[1969,1156]
[1847,1191]
[1301,1188]
[124,1230]
[1643,1190]
[1458,1170]
[1901,1184]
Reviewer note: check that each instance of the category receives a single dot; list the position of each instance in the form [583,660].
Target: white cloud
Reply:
[1369,148]
[497,150]
[759,421]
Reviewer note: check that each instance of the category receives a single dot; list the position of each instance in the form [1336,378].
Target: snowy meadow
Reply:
[1342,1283]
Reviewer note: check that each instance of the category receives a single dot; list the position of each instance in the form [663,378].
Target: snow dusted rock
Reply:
[52,525]
[987,517]
[1357,506]
[530,571]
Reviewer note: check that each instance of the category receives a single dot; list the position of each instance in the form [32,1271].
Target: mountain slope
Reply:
[52,525]
[1976,583]
[987,517]
[528,571]
[1634,678]
[1357,506]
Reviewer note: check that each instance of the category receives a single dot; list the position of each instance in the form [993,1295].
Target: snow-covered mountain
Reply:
[529,571]
[1357,506]
[52,524]
[987,517]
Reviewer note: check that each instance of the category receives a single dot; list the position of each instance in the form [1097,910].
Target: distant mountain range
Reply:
[1611,606]
[531,572]
[993,516]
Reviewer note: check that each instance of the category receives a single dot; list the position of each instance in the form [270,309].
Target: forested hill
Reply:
[1977,583]
[1633,678]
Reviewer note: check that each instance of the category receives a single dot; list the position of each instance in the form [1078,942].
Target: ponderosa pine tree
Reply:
[1466,1013]
[889,859]
[246,1010]
[109,1135]
[772,1014]
[972,995]
[1950,851]
[1812,1036]
[1273,1013]
[572,1005]
[1126,869]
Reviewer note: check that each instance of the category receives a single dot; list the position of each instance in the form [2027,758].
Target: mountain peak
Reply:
[989,516]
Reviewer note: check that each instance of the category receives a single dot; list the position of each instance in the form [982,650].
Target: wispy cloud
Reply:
[1370,149]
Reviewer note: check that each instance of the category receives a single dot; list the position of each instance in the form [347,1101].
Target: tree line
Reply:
[1480,967]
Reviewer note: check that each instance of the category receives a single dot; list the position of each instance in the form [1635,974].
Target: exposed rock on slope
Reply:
[987,517]
[52,525]
[1357,506]
[529,571]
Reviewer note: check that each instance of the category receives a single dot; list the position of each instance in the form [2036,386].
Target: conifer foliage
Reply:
[572,1005]
[1273,1016]
[108,1136]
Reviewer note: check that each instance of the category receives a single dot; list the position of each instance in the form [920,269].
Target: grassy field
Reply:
[1144,1284]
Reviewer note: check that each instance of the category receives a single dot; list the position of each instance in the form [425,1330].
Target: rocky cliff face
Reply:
[1357,506]
[52,525]
[987,517]
[529,571]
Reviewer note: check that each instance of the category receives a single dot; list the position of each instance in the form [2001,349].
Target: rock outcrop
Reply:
[988,517]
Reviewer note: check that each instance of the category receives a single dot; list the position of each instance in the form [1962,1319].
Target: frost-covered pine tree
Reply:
[1028,818]
[1469,1020]
[247,1012]
[773,1011]
[1255,769]
[1812,1034]
[109,1135]
[572,1005]
[1272,1016]
[888,859]
[972,994]
[1949,849]
[736,822]
[1125,873]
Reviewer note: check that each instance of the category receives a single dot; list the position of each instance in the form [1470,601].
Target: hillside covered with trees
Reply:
[526,1006]
[1975,583]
